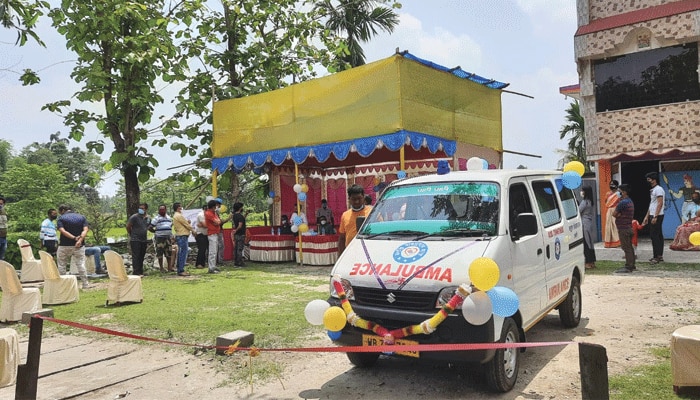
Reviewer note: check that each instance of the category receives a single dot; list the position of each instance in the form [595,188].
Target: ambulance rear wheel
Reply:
[502,371]
[363,360]
[570,309]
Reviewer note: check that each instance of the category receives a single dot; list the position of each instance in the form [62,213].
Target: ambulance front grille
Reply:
[405,300]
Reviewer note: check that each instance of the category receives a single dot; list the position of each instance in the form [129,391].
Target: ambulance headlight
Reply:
[346,286]
[445,295]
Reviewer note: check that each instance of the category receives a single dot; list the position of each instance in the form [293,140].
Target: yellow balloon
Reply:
[334,319]
[304,187]
[303,228]
[575,166]
[484,273]
[223,208]
[694,238]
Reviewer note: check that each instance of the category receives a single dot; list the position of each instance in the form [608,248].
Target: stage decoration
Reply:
[270,200]
[297,220]
[484,273]
[694,238]
[401,174]
[304,187]
[303,228]
[294,228]
[492,166]
[301,196]
[443,167]
[575,166]
[571,180]
[297,188]
[272,193]
[314,311]
[485,164]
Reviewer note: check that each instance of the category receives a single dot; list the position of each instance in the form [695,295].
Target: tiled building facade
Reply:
[627,141]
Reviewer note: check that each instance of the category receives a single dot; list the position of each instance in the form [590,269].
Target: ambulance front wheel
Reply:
[570,309]
[363,360]
[502,371]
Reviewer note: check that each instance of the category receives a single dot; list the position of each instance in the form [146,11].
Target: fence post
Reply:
[593,362]
[28,374]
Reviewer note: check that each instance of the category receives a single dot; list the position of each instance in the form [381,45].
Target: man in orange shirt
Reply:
[348,221]
[213,228]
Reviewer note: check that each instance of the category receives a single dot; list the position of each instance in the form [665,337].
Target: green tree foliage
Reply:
[5,154]
[30,190]
[358,21]
[575,129]
[22,16]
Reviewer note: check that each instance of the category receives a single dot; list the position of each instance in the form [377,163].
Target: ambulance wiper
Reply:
[397,233]
[458,232]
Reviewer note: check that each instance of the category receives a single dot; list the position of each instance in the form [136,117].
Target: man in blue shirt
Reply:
[47,234]
[162,225]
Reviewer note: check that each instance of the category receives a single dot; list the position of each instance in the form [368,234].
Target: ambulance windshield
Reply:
[459,209]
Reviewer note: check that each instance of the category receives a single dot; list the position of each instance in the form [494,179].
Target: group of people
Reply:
[621,228]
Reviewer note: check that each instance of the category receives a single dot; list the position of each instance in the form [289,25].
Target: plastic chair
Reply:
[31,267]
[16,300]
[58,289]
[121,287]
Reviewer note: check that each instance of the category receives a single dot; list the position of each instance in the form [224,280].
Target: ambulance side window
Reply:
[547,203]
[518,201]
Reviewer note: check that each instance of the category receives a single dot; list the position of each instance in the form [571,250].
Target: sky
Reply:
[527,43]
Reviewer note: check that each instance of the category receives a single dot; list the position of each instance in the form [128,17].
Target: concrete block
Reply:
[27,316]
[247,339]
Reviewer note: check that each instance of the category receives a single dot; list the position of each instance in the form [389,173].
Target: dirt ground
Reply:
[628,315]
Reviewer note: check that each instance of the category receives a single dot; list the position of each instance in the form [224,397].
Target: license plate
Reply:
[373,340]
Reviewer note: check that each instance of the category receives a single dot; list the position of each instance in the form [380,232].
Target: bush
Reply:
[12,255]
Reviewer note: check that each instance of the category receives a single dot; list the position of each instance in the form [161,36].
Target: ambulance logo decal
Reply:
[410,252]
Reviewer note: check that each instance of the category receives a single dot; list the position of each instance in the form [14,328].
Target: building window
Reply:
[648,78]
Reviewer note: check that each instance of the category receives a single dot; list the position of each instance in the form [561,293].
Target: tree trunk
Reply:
[132,189]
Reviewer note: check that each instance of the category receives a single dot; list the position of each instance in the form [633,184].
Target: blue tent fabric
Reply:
[364,146]
[458,72]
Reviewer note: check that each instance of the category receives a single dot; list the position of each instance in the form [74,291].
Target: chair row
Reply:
[62,289]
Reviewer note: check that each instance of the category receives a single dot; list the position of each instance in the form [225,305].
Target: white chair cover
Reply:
[58,289]
[31,267]
[121,287]
[9,356]
[16,300]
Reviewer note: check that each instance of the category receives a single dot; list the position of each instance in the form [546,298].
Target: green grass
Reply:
[608,267]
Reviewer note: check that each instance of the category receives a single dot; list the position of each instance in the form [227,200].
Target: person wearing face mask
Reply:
[655,216]
[624,214]
[47,233]
[347,229]
[587,210]
[324,228]
[610,236]
[137,228]
[325,212]
[3,228]
[162,226]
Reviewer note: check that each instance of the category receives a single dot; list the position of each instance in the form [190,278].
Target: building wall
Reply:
[608,8]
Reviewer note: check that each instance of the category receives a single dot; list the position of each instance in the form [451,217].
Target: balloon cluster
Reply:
[476,164]
[271,197]
[319,312]
[573,171]
[300,190]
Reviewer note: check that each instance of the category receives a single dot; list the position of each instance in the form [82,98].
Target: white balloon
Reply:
[270,200]
[314,311]
[209,198]
[477,308]
[297,188]
[295,228]
[475,164]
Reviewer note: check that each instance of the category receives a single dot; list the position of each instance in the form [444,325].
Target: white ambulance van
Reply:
[415,248]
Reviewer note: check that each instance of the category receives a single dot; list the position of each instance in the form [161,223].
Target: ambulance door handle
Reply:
[548,251]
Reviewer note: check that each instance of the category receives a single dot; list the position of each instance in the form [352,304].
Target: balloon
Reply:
[484,164]
[474,164]
[301,196]
[484,273]
[314,311]
[401,174]
[476,308]
[209,198]
[492,166]
[297,220]
[270,200]
[223,208]
[694,238]
[559,183]
[272,193]
[575,166]
[505,302]
[297,188]
[335,335]
[304,187]
[303,228]
[571,180]
[294,229]
[334,319]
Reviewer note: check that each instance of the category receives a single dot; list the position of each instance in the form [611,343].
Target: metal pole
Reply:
[28,374]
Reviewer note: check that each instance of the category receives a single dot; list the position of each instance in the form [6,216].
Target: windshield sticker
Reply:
[410,252]
[402,272]
[472,188]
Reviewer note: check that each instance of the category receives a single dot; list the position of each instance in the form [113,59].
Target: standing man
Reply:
[220,240]
[624,214]
[182,234]
[71,245]
[326,212]
[348,221]
[213,229]
[137,228]
[3,228]
[47,234]
[202,240]
[238,234]
[655,216]
[162,226]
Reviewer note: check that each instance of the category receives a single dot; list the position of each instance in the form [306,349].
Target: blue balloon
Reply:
[505,302]
[272,193]
[297,220]
[571,179]
[335,335]
[401,174]
[559,183]
[485,163]
[301,196]
[548,190]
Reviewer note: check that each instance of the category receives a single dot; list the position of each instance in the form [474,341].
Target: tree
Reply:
[22,16]
[576,149]
[5,154]
[359,21]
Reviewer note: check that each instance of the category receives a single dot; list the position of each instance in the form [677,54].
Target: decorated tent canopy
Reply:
[360,114]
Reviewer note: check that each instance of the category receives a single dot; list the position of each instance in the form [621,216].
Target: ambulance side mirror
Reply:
[525,225]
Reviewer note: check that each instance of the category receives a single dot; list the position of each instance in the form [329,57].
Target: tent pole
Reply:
[401,158]
[301,247]
[214,190]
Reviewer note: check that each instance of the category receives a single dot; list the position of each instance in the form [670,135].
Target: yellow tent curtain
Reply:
[383,97]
